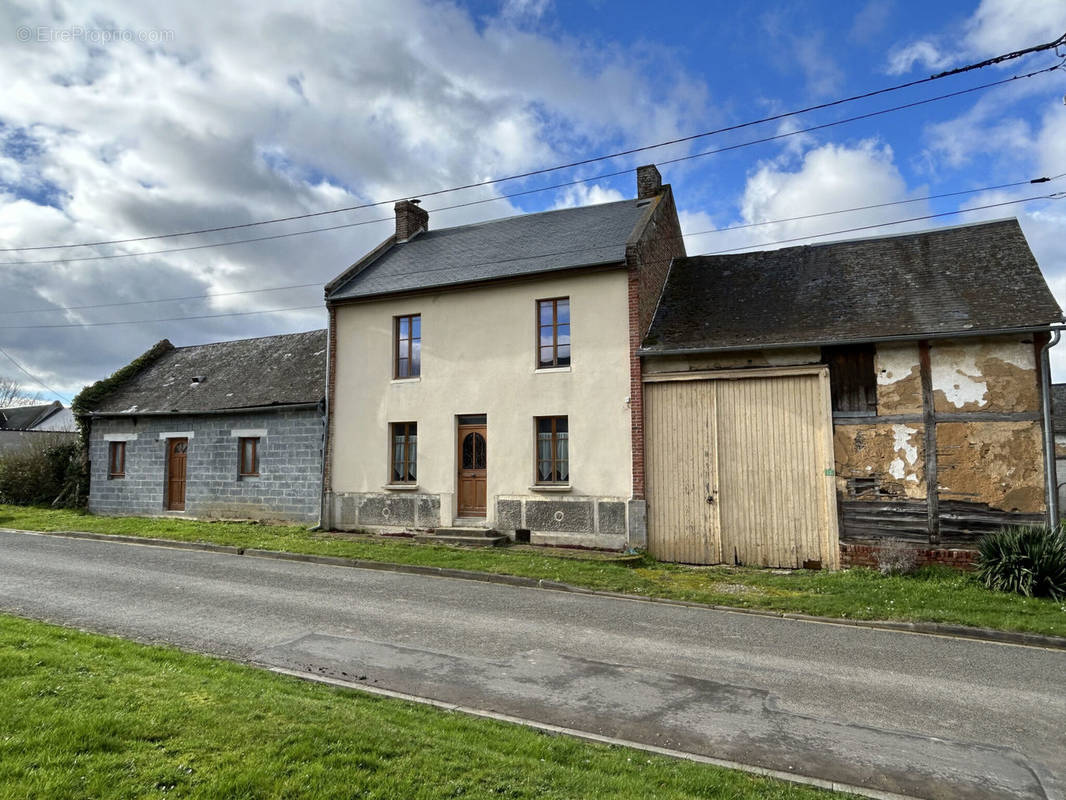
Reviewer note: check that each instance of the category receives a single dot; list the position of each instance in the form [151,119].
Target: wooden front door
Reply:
[176,452]
[472,470]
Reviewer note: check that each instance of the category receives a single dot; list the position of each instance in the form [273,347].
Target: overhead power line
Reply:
[727,148]
[34,378]
[742,226]
[1052,196]
[580,162]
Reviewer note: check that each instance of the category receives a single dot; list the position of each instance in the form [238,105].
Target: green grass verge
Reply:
[933,594]
[88,716]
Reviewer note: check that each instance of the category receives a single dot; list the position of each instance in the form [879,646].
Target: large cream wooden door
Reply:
[770,498]
[681,472]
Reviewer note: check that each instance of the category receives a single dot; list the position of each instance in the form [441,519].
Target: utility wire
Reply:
[583,162]
[1052,196]
[725,229]
[776,137]
[34,378]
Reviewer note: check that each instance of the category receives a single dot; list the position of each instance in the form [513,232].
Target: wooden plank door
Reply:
[681,470]
[176,456]
[776,459]
[473,470]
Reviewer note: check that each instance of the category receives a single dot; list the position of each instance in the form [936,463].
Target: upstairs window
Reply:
[852,379]
[553,450]
[249,456]
[408,346]
[116,459]
[404,452]
[553,332]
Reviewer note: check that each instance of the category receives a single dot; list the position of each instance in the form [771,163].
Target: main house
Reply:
[225,430]
[542,375]
[489,374]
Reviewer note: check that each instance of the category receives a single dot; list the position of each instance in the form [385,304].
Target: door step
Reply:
[468,537]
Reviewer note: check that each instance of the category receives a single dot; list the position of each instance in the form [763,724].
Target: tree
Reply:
[12,394]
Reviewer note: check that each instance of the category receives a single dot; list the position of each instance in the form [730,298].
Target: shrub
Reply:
[45,472]
[896,557]
[1027,559]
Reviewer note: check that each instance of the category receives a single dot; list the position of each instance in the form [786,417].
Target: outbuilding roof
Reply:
[246,373]
[515,246]
[936,283]
[24,418]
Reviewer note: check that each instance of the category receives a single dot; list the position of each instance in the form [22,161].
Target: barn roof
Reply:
[935,283]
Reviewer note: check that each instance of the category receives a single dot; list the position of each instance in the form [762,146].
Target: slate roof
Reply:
[24,418]
[1058,407]
[247,373]
[933,283]
[503,248]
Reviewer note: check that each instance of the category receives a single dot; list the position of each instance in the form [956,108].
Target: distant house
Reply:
[1058,393]
[226,430]
[23,426]
[848,392]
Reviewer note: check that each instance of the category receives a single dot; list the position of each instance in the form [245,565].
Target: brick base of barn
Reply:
[865,554]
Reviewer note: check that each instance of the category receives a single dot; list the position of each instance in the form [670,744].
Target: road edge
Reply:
[954,631]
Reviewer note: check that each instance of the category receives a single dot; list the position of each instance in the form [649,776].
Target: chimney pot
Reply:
[410,219]
[649,181]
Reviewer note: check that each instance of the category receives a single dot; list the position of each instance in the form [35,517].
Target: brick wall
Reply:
[648,262]
[290,464]
[865,555]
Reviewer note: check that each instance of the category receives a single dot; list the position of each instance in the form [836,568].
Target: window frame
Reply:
[410,345]
[114,448]
[410,465]
[845,363]
[538,327]
[242,467]
[554,459]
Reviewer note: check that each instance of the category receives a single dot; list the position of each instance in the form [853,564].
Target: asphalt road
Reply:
[918,715]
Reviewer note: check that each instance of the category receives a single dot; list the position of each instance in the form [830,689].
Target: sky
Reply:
[122,120]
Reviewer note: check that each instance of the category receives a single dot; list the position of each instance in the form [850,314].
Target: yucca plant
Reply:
[1026,559]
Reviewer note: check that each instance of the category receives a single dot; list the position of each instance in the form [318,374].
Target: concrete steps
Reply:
[467,537]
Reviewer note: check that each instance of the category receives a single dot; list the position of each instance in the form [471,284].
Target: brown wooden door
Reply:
[472,470]
[176,453]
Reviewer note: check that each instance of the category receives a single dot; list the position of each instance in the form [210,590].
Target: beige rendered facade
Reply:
[479,357]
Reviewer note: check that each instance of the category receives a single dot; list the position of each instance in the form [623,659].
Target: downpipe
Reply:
[1050,478]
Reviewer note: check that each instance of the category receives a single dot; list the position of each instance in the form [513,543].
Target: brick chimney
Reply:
[649,181]
[410,219]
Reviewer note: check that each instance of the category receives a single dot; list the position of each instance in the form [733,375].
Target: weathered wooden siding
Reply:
[739,468]
[681,468]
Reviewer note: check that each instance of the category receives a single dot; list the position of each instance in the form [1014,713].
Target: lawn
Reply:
[88,716]
[933,594]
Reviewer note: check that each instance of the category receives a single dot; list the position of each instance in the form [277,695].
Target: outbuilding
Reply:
[804,405]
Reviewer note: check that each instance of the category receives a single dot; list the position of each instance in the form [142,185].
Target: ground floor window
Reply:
[553,450]
[404,452]
[116,460]
[249,456]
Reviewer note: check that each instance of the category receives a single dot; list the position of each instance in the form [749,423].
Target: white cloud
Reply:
[996,27]
[249,113]
[586,194]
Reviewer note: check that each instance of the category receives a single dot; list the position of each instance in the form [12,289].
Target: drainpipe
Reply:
[1051,480]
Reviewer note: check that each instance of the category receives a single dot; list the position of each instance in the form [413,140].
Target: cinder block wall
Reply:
[288,487]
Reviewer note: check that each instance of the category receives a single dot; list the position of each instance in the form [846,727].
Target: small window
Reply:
[408,349]
[249,456]
[553,450]
[404,452]
[553,332]
[116,460]
[852,379]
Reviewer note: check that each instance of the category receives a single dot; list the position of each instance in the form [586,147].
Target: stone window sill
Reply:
[407,380]
[539,370]
[550,487]
[400,487]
